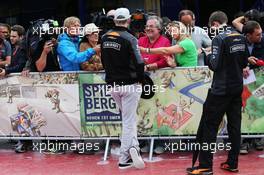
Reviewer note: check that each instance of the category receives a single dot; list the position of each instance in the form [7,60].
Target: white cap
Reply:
[90,28]
[122,14]
[111,13]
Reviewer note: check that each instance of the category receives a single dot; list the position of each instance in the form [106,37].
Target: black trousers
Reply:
[214,109]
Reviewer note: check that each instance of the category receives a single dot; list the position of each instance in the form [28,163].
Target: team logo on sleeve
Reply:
[111,45]
[237,48]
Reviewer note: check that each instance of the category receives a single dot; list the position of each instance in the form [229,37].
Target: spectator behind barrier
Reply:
[240,21]
[185,50]
[5,47]
[68,47]
[154,39]
[18,58]
[90,40]
[41,45]
[253,33]
[18,61]
[5,30]
[45,58]
[165,23]
[198,35]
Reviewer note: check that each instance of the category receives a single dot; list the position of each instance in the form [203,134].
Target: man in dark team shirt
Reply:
[228,59]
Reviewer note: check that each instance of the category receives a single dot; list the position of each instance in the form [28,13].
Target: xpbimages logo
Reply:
[192,146]
[48,30]
[183,30]
[73,146]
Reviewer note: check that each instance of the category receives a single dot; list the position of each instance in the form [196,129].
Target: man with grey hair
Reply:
[154,39]
[124,70]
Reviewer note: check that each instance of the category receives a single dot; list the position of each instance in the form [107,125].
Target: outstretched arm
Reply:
[163,50]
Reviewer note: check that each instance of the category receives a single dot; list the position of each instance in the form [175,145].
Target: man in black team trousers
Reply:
[227,61]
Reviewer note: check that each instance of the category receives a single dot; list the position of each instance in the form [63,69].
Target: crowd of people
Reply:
[228,50]
[69,51]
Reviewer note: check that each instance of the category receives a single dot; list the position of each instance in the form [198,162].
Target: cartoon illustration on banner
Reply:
[253,102]
[40,105]
[70,104]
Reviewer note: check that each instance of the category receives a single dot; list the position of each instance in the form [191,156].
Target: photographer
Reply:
[45,57]
[41,46]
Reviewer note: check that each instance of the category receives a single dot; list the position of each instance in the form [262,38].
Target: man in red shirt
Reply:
[154,39]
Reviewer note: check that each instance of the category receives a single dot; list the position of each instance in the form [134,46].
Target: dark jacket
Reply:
[121,57]
[68,51]
[228,58]
[52,63]
[258,52]
[18,59]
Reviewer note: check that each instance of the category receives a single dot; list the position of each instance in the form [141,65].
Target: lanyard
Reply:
[15,51]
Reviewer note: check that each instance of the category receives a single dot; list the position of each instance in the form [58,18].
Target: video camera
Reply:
[138,21]
[102,21]
[40,31]
[137,25]
[50,30]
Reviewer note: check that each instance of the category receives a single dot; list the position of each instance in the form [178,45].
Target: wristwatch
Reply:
[147,66]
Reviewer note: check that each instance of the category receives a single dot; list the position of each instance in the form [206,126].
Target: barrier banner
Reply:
[175,109]
[78,104]
[40,105]
[253,105]
[100,115]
